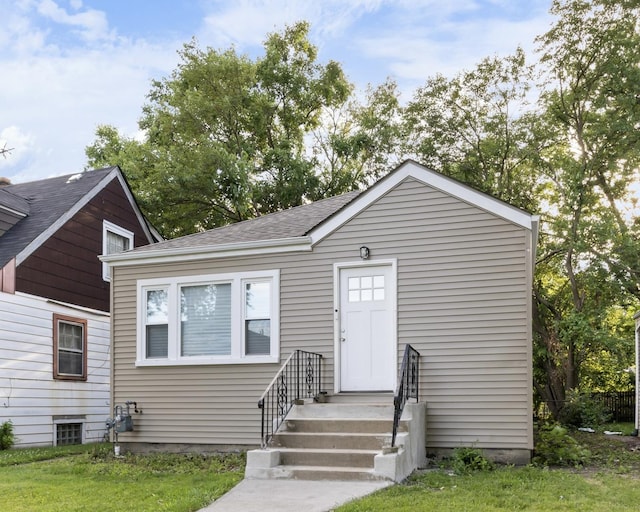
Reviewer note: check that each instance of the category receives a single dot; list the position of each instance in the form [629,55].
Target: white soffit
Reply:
[430,178]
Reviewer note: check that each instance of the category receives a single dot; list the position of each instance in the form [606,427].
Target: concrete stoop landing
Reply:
[346,438]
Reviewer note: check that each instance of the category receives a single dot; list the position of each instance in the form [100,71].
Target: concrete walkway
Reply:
[291,495]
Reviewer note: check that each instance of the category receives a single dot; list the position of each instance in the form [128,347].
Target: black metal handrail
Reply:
[408,381]
[298,378]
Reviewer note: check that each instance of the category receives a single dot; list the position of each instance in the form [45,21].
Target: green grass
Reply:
[530,489]
[609,483]
[90,478]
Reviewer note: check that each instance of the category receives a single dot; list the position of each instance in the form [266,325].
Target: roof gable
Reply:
[411,169]
[52,202]
[302,227]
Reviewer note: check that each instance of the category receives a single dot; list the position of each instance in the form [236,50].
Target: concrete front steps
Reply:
[346,438]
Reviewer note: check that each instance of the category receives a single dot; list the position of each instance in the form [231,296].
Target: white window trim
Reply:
[237,355]
[113,228]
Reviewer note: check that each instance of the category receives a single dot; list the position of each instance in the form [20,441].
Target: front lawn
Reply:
[507,489]
[89,477]
[609,482]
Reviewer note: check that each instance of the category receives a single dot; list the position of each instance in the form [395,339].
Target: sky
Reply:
[68,66]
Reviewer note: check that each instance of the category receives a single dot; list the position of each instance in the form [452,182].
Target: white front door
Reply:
[367,337]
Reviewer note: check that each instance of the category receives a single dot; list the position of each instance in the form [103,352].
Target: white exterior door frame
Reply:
[392,290]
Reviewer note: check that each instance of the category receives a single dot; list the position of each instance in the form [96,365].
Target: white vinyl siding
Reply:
[29,395]
[463,281]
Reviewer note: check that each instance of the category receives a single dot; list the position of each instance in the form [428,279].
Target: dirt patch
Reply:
[631,442]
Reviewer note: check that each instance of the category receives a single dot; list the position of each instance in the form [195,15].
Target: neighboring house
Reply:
[55,301]
[201,324]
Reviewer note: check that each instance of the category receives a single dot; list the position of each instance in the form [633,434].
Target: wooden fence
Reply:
[619,404]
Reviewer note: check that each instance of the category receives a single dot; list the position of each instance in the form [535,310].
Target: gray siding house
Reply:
[201,324]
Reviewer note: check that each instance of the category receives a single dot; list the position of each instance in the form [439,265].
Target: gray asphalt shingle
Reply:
[47,200]
[294,222]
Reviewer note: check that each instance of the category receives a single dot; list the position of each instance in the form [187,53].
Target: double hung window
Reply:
[69,348]
[209,319]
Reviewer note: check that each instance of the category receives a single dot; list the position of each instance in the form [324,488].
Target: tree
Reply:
[589,159]
[225,136]
[574,158]
[360,141]
[474,128]
[4,150]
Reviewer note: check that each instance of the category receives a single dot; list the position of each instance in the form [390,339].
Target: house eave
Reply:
[182,254]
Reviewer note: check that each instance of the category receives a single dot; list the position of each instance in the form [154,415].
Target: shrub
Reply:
[581,410]
[555,447]
[466,460]
[7,437]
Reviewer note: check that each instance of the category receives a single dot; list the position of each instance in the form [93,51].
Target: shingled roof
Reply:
[294,222]
[45,202]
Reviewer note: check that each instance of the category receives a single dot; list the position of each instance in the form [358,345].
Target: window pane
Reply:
[70,336]
[258,300]
[157,341]
[68,433]
[205,320]
[258,337]
[354,283]
[378,281]
[117,243]
[69,363]
[354,296]
[157,307]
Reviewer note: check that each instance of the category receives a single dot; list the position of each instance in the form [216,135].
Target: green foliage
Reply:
[225,136]
[555,447]
[467,459]
[581,410]
[474,127]
[7,437]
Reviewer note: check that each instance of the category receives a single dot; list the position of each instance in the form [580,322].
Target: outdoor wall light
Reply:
[364,252]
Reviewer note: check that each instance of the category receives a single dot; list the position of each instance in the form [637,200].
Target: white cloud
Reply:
[66,69]
[53,97]
[92,23]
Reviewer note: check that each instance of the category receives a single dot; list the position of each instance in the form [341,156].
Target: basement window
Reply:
[68,433]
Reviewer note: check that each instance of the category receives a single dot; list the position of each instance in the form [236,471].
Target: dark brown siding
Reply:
[66,267]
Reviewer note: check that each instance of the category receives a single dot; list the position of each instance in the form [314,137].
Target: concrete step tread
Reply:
[339,418]
[337,469]
[343,473]
[326,450]
[332,434]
